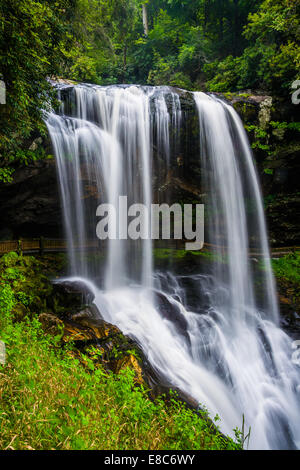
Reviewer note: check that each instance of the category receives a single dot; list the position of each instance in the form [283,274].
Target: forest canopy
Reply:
[210,45]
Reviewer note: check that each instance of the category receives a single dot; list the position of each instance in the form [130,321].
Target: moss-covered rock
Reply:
[131,362]
[100,341]
[51,324]
[287,272]
[283,219]
[31,288]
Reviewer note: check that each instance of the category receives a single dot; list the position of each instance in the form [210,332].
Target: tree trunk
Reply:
[145,20]
[124,61]
[236,27]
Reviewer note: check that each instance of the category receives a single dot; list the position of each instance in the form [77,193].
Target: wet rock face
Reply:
[51,324]
[73,293]
[171,312]
[283,216]
[30,205]
[276,152]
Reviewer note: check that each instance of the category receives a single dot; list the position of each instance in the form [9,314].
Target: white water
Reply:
[229,354]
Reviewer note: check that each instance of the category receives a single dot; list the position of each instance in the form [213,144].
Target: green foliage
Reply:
[6,175]
[294,126]
[25,157]
[84,68]
[105,31]
[178,255]
[260,139]
[266,142]
[288,268]
[164,71]
[218,45]
[272,59]
[7,302]
[223,76]
[24,277]
[53,397]
[268,200]
[241,436]
[287,272]
[63,405]
[32,36]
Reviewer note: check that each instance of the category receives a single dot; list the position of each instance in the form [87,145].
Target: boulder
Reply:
[131,362]
[51,324]
[89,330]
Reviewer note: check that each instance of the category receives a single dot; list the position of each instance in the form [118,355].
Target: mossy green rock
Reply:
[25,276]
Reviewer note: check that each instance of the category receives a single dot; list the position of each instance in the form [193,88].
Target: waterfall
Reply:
[107,138]
[230,171]
[226,349]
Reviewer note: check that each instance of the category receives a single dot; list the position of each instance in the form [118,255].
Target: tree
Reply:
[32,35]
[274,53]
[271,60]
[145,18]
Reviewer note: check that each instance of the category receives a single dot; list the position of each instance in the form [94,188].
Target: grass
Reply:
[166,253]
[288,268]
[53,397]
[287,272]
[175,254]
[49,400]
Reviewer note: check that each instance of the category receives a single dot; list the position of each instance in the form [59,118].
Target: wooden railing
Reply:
[50,245]
[44,245]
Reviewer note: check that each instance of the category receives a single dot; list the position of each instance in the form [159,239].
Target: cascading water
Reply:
[230,171]
[227,350]
[107,138]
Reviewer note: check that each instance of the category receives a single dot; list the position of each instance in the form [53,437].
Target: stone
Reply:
[51,324]
[19,312]
[265,109]
[131,362]
[172,313]
[87,325]
[75,287]
[36,144]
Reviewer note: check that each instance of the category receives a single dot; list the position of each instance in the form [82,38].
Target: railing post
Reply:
[42,246]
[20,247]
